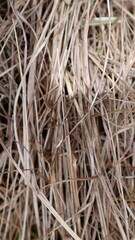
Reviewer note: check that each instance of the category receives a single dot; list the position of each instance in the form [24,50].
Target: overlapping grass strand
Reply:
[67,120]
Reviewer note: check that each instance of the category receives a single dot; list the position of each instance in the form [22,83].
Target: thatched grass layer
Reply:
[67,120]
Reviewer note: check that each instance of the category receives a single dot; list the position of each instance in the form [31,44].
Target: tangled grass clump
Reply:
[67,120]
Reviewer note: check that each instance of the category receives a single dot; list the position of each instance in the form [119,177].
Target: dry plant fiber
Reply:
[67,120]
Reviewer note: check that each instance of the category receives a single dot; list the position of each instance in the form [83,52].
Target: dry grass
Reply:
[67,120]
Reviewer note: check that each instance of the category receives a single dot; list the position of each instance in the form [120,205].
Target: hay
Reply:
[67,120]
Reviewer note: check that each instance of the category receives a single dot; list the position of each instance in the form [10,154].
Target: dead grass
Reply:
[67,120]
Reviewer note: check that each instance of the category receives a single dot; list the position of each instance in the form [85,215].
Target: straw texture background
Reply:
[67,120]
